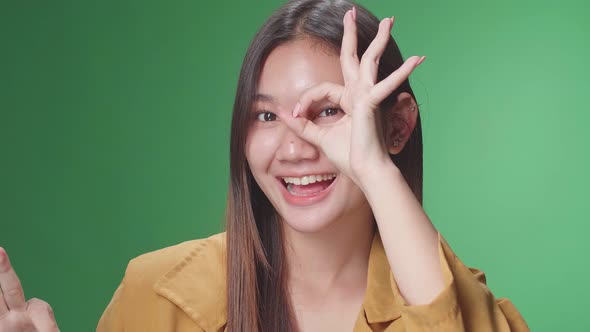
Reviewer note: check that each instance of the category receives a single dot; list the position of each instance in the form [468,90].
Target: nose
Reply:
[294,149]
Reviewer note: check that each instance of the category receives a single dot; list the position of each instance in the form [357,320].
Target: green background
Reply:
[114,132]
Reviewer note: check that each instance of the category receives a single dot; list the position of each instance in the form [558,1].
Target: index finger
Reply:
[323,91]
[11,289]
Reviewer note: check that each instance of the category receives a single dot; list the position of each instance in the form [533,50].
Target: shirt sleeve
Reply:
[465,304]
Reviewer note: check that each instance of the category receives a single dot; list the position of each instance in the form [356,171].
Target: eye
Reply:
[329,112]
[266,116]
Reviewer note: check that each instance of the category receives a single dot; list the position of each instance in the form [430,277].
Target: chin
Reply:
[311,221]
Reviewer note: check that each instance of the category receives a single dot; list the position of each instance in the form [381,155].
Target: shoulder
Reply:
[188,277]
[154,265]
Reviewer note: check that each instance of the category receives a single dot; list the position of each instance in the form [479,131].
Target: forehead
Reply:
[295,66]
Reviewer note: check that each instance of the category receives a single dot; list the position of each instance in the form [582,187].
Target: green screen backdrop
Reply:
[114,134]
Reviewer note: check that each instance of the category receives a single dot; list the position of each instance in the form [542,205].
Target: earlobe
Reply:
[401,120]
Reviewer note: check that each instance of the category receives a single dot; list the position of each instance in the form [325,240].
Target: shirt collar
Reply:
[197,284]
[201,276]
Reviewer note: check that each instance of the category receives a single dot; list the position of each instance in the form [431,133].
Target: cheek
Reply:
[261,146]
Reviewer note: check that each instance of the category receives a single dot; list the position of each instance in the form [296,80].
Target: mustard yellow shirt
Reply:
[182,288]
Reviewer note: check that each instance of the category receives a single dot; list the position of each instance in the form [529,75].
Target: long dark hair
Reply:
[257,294]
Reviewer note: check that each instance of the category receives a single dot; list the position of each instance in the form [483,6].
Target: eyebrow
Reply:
[263,97]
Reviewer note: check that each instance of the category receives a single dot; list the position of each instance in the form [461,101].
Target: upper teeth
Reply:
[309,179]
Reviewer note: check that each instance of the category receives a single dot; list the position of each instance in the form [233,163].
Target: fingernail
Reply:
[354,13]
[387,22]
[296,110]
[420,61]
[2,260]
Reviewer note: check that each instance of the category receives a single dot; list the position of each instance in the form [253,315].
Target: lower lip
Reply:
[305,200]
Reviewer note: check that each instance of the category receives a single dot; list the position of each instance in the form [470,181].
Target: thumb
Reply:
[301,125]
[41,315]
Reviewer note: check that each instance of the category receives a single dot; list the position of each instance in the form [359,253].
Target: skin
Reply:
[315,234]
[16,315]
[328,243]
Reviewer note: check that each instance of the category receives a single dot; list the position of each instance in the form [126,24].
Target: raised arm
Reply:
[439,292]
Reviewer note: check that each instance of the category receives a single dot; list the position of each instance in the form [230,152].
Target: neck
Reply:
[334,257]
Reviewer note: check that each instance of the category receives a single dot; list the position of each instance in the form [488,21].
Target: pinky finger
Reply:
[384,88]
[421,60]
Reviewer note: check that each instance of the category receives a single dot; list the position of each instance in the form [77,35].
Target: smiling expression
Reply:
[305,188]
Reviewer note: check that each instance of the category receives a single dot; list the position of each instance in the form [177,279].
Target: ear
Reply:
[400,122]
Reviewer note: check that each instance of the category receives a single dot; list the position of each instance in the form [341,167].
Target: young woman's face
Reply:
[313,198]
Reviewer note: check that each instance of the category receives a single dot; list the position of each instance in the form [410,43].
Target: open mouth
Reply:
[308,185]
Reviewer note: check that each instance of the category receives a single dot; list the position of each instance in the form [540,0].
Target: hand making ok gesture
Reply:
[354,143]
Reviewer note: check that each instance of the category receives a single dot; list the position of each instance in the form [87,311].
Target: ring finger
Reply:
[370,60]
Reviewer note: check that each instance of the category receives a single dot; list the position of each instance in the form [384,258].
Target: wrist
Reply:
[376,174]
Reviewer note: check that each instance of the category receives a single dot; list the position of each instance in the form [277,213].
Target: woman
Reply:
[325,229]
